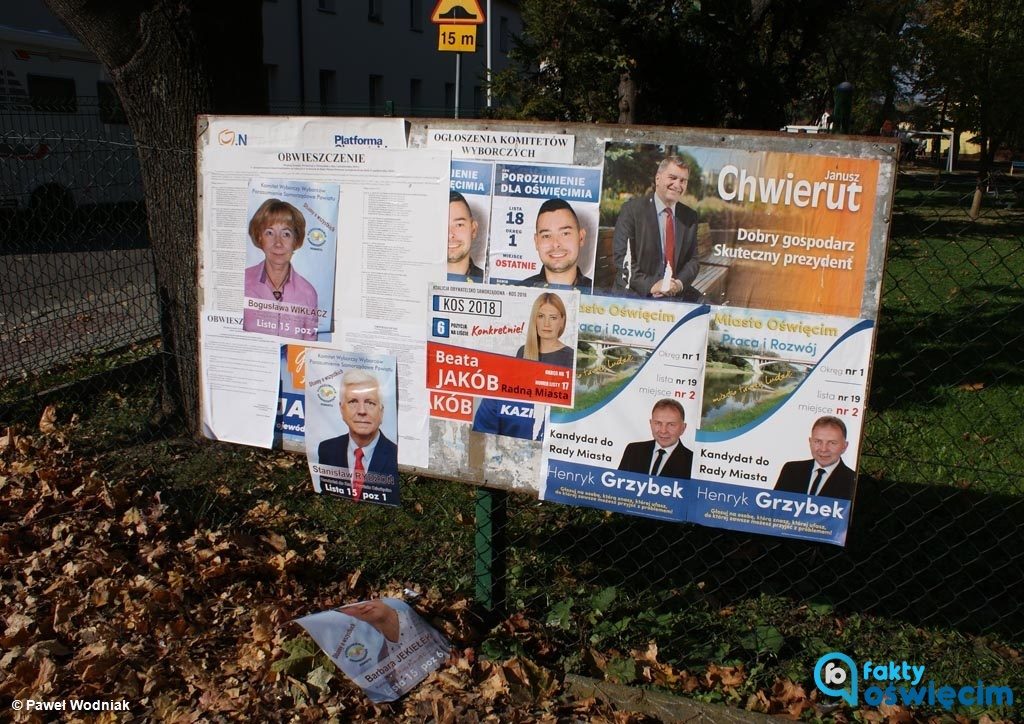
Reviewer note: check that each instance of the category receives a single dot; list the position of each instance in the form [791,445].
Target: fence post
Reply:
[491,550]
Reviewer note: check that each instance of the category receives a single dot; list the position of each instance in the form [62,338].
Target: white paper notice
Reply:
[392,225]
[498,145]
[321,132]
[241,373]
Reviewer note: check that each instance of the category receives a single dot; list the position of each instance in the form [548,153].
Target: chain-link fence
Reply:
[78,275]
[934,541]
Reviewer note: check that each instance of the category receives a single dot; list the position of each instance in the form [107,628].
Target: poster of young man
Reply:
[290,257]
[469,213]
[502,342]
[628,444]
[781,422]
[351,425]
[544,226]
[758,229]
[382,645]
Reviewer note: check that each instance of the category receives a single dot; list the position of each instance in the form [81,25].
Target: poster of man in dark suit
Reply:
[372,457]
[654,247]
[664,456]
[825,473]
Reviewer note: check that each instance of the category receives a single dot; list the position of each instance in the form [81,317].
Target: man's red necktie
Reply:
[358,475]
[670,240]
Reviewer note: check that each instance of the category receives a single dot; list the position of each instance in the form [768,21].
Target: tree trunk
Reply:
[171,60]
[627,98]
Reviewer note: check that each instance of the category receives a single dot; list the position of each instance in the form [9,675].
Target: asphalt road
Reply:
[61,305]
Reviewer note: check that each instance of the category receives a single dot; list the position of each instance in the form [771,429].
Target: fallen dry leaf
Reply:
[727,676]
[48,421]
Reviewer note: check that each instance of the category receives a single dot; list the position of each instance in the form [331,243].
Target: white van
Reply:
[64,140]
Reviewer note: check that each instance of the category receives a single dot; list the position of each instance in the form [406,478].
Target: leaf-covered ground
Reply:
[107,594]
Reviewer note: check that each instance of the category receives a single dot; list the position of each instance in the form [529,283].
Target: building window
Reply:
[416,15]
[111,110]
[478,99]
[415,95]
[503,35]
[376,92]
[328,89]
[375,13]
[326,6]
[449,96]
[52,95]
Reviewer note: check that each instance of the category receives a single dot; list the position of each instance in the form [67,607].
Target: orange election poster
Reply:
[771,230]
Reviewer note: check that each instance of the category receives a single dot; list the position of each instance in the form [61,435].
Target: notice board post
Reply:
[491,545]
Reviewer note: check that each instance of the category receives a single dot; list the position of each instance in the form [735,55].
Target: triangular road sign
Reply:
[457,12]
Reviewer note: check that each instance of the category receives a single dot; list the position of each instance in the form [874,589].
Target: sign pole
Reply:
[456,22]
[489,57]
[458,72]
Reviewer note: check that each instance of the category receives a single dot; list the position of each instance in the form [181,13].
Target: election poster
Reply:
[483,439]
[290,424]
[544,225]
[516,344]
[469,214]
[382,645]
[486,440]
[352,425]
[627,446]
[783,399]
[757,229]
[289,270]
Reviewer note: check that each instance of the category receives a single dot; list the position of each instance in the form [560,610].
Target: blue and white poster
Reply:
[352,425]
[469,216]
[781,421]
[544,223]
[290,255]
[382,645]
[627,446]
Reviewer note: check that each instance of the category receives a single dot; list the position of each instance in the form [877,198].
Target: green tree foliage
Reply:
[972,63]
[870,44]
[758,56]
[567,64]
[736,63]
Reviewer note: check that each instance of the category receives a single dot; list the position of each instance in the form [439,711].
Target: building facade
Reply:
[366,57]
